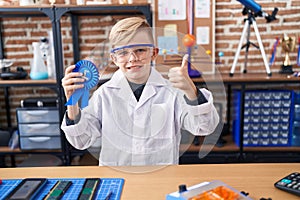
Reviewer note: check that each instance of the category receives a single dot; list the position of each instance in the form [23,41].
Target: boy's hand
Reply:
[180,79]
[71,81]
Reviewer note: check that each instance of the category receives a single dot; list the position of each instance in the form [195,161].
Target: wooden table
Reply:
[156,182]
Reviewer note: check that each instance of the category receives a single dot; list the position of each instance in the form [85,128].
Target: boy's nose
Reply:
[132,57]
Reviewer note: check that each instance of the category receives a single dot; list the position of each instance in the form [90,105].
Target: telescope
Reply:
[252,9]
[256,9]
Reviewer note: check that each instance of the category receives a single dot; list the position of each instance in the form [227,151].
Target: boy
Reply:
[138,114]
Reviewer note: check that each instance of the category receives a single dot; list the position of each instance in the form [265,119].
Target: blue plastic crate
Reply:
[260,105]
[297,97]
[296,134]
[297,112]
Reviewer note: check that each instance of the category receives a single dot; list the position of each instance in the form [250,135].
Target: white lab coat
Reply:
[144,132]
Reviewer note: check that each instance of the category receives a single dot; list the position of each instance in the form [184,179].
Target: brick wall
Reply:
[230,23]
[19,33]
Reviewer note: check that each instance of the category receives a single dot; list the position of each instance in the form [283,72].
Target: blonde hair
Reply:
[124,30]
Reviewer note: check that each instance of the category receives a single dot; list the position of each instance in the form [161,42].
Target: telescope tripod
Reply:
[248,21]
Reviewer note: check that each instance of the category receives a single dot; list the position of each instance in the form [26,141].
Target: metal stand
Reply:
[250,20]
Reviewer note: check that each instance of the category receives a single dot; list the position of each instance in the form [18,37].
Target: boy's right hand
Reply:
[179,77]
[72,81]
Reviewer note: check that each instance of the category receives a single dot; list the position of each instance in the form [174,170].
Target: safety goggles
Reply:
[140,51]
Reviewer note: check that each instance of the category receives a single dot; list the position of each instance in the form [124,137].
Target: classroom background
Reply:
[18,34]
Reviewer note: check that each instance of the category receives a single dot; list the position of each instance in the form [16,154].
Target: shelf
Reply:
[249,78]
[240,78]
[47,12]
[272,149]
[193,148]
[111,9]
[54,13]
[25,11]
[28,82]
[230,146]
[8,150]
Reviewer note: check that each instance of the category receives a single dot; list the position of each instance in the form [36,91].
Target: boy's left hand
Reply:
[179,77]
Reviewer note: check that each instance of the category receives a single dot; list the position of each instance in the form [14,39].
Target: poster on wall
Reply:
[171,10]
[171,48]
[202,8]
[202,35]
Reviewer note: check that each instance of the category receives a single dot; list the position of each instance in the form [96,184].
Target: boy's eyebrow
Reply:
[130,46]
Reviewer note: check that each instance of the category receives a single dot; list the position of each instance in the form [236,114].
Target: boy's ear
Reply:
[113,59]
[155,53]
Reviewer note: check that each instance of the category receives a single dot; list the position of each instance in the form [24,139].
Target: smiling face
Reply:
[134,58]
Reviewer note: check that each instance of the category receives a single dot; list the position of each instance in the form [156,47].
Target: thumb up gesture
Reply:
[179,77]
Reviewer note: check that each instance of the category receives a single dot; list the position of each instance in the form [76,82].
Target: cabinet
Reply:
[39,128]
[231,152]
[89,10]
[54,13]
[6,84]
[47,12]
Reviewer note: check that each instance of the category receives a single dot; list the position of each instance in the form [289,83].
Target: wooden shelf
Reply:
[248,78]
[272,149]
[28,82]
[8,150]
[230,146]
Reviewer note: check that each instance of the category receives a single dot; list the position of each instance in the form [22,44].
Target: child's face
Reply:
[135,58]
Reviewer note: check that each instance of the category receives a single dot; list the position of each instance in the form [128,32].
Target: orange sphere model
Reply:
[189,40]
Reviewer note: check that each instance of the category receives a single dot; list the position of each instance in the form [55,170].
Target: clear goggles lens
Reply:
[141,52]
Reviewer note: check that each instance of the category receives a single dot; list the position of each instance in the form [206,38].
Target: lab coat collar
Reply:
[119,81]
[154,79]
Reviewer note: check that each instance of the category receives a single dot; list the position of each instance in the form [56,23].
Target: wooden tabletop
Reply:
[156,182]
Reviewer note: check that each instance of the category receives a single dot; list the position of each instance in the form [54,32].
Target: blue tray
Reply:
[114,185]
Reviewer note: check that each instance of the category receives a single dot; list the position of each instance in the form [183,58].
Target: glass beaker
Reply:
[38,70]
